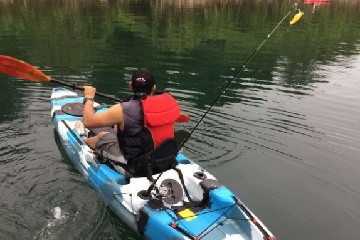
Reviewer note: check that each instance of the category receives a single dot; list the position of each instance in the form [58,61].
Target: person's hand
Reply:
[89,92]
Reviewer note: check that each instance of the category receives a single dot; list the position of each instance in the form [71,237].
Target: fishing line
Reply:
[236,75]
[152,185]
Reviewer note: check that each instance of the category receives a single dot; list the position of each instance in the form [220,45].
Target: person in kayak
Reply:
[140,123]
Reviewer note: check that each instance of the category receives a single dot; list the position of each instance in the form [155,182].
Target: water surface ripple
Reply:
[285,136]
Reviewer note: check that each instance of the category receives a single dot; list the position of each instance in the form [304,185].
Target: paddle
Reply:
[20,69]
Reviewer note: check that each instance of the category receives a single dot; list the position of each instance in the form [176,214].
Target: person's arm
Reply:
[108,118]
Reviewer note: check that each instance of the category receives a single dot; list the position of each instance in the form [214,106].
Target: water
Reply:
[284,136]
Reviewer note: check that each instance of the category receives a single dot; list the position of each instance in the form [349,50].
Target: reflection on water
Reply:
[284,136]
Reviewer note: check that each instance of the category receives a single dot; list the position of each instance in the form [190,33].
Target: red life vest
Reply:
[160,114]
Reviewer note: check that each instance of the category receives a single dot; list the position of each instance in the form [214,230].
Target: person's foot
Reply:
[91,141]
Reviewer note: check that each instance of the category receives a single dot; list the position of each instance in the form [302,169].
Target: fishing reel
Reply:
[170,191]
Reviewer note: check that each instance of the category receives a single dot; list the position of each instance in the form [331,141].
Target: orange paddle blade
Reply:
[20,69]
[182,118]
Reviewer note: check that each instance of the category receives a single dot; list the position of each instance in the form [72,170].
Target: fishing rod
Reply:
[236,75]
[147,192]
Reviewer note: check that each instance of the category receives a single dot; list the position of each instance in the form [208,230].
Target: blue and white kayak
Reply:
[204,209]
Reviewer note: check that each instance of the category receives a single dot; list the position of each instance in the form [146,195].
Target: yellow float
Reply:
[297,17]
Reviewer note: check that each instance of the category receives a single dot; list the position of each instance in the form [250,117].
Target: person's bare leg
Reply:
[93,140]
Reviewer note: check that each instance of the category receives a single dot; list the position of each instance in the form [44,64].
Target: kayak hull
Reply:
[217,214]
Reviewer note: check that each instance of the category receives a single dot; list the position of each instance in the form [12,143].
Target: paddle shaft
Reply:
[81,88]
[20,69]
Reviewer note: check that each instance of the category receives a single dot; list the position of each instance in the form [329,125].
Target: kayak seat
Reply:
[160,159]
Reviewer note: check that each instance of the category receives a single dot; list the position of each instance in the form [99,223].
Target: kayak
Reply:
[187,201]
[316,1]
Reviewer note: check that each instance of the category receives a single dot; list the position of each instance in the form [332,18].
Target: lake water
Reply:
[285,136]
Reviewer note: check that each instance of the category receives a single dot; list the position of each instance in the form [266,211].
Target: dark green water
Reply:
[284,137]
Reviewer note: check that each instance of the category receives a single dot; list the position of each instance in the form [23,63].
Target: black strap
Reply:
[102,159]
[191,202]
[149,171]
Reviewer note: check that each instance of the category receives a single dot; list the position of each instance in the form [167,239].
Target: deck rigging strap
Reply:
[176,226]
[201,234]
[236,75]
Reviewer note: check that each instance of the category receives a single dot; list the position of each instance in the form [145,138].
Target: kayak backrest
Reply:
[158,160]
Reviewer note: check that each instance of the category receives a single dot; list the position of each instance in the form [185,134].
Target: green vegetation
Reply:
[71,33]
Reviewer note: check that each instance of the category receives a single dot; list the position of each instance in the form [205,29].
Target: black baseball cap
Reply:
[142,81]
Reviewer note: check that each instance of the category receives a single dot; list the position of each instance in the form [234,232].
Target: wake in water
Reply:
[54,226]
